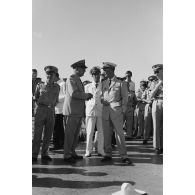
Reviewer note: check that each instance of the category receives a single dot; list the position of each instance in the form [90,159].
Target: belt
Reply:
[158,98]
[44,105]
[141,102]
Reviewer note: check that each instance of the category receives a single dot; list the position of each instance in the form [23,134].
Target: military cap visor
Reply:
[51,69]
[95,71]
[143,81]
[157,67]
[151,78]
[79,64]
[144,84]
[107,65]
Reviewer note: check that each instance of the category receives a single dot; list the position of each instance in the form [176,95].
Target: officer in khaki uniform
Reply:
[148,126]
[140,107]
[114,100]
[129,114]
[131,104]
[46,97]
[157,109]
[74,110]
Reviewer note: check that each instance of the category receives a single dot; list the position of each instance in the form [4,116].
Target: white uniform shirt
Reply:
[59,105]
[94,105]
[140,94]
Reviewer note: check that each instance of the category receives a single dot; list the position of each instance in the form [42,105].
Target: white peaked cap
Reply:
[126,189]
[108,65]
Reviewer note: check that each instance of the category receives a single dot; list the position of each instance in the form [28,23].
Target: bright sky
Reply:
[126,32]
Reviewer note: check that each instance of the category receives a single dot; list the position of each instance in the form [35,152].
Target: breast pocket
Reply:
[116,91]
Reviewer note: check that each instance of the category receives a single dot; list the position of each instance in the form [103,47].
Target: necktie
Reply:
[96,85]
[81,83]
[110,82]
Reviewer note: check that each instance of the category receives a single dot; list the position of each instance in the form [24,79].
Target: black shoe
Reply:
[145,142]
[69,160]
[56,148]
[88,155]
[34,159]
[126,161]
[77,157]
[106,158]
[48,158]
[113,146]
[158,151]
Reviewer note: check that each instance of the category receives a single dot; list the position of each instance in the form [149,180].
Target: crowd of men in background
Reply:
[108,108]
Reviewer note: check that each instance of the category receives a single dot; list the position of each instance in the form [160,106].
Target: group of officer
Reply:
[107,103]
[149,109]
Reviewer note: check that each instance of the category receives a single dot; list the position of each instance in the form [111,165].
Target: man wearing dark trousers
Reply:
[58,134]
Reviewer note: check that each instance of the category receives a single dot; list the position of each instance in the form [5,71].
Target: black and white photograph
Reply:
[82,97]
[97,97]
[94,121]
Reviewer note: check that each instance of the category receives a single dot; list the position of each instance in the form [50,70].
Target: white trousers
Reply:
[91,121]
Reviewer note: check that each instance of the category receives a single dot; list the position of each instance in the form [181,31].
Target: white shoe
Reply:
[87,155]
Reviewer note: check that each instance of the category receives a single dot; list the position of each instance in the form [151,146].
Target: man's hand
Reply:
[105,103]
[89,96]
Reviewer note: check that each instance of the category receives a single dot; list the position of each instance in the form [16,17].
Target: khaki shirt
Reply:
[75,96]
[47,94]
[116,95]
[159,93]
[35,82]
